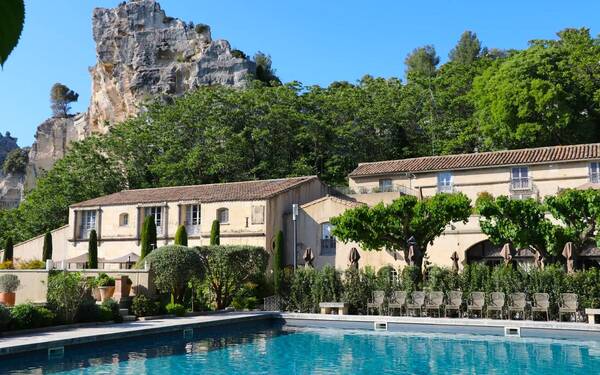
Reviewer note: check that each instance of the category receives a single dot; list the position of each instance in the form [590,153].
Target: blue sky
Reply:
[312,41]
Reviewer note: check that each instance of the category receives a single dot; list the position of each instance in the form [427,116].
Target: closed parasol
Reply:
[309,257]
[506,254]
[568,254]
[354,257]
[454,259]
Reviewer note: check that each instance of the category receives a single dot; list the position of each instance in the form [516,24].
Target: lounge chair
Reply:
[496,304]
[417,302]
[476,303]
[434,301]
[541,303]
[567,305]
[454,302]
[397,301]
[516,303]
[376,302]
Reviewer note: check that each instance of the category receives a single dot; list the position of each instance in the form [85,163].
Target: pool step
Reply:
[129,318]
[124,312]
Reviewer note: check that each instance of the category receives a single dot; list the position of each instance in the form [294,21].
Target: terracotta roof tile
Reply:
[481,160]
[233,191]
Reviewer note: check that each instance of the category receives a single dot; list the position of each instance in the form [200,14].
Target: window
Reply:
[385,185]
[192,218]
[444,182]
[327,239]
[88,222]
[520,178]
[157,214]
[223,215]
[595,172]
[124,220]
[258,214]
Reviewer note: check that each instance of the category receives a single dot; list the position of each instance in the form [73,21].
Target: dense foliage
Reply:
[60,98]
[228,268]
[47,247]
[173,266]
[181,237]
[147,237]
[93,250]
[66,291]
[481,99]
[215,233]
[278,262]
[16,161]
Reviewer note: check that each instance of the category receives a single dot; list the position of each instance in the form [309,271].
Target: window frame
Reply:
[386,185]
[520,181]
[328,240]
[594,176]
[445,185]
[159,212]
[87,223]
[124,219]
[254,219]
[220,211]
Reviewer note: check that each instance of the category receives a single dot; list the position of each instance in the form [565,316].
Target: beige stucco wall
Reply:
[32,249]
[34,285]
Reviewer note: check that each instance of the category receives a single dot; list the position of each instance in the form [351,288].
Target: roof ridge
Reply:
[481,153]
[220,183]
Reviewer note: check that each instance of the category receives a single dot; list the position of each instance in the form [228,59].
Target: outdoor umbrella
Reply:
[308,257]
[568,254]
[354,257]
[412,251]
[454,259]
[506,254]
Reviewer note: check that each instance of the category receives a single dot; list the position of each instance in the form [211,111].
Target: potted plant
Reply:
[8,286]
[106,285]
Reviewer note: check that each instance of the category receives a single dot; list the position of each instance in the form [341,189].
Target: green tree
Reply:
[16,161]
[173,267]
[278,262]
[467,50]
[264,70]
[390,226]
[60,98]
[521,222]
[228,268]
[181,237]
[215,233]
[66,292]
[422,62]
[47,249]
[544,95]
[148,236]
[12,18]
[93,250]
[8,249]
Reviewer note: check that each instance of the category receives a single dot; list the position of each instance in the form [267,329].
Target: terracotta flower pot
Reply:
[7,298]
[96,294]
[106,292]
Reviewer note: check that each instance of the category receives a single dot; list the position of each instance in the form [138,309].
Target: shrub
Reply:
[409,278]
[357,290]
[7,265]
[4,317]
[148,236]
[246,297]
[47,248]
[278,262]
[93,250]
[327,286]
[141,305]
[114,308]
[181,237]
[238,54]
[8,249]
[9,283]
[227,268]
[66,293]
[301,290]
[175,309]
[26,315]
[173,267]
[31,264]
[105,280]
[105,314]
[201,28]
[215,233]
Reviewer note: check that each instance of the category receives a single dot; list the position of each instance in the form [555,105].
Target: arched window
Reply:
[124,220]
[223,215]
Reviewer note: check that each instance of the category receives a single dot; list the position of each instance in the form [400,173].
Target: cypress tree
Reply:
[148,237]
[278,262]
[215,233]
[93,250]
[47,250]
[181,237]
[8,249]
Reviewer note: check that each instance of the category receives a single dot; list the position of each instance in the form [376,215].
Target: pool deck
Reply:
[42,340]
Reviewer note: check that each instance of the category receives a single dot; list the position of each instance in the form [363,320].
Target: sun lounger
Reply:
[476,303]
[516,304]
[567,305]
[376,302]
[496,304]
[434,301]
[417,302]
[397,301]
[541,303]
[454,302]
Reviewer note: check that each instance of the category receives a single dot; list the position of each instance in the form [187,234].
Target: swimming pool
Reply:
[267,347]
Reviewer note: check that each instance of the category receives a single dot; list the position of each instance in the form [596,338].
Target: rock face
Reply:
[52,139]
[11,185]
[7,144]
[142,54]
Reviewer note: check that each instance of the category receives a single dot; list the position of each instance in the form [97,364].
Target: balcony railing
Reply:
[192,229]
[405,190]
[522,183]
[445,189]
[595,177]
[9,203]
[328,246]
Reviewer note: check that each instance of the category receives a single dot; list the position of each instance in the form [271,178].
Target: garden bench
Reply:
[339,308]
[591,313]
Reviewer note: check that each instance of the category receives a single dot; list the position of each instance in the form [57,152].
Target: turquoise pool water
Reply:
[269,349]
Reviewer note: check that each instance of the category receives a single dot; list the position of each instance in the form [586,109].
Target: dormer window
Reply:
[223,215]
[595,172]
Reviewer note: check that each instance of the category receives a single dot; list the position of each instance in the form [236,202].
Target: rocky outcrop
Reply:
[7,144]
[52,140]
[142,53]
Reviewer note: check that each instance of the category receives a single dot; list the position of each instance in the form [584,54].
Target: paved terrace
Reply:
[41,340]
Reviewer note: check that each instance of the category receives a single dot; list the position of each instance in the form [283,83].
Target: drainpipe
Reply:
[294,219]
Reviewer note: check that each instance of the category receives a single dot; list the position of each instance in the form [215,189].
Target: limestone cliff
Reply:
[142,53]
